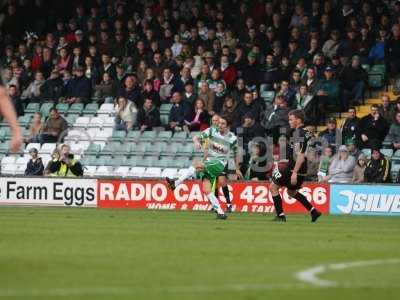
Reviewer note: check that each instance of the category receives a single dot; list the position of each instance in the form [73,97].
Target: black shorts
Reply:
[283,179]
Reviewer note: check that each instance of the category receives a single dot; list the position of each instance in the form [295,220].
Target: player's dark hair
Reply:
[298,114]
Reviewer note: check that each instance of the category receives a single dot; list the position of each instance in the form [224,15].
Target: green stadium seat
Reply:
[180,163]
[7,131]
[164,118]
[397,154]
[366,67]
[24,121]
[268,96]
[164,162]
[45,108]
[131,162]
[103,160]
[367,152]
[148,161]
[91,109]
[32,108]
[378,69]
[164,136]
[124,149]
[71,119]
[156,148]
[62,108]
[148,136]
[4,148]
[88,160]
[76,108]
[186,150]
[140,149]
[93,149]
[165,108]
[171,149]
[376,81]
[179,136]
[118,136]
[133,136]
[118,161]
[110,148]
[387,152]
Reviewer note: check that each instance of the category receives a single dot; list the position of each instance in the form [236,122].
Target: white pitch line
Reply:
[311,275]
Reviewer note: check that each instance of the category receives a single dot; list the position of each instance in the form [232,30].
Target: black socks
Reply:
[278,204]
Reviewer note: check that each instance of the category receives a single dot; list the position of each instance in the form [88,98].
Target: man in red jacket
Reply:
[229,72]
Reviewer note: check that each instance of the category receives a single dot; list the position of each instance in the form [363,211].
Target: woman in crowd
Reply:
[126,114]
[359,169]
[341,167]
[199,119]
[34,128]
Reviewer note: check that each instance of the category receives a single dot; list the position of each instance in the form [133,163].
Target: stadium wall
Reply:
[248,196]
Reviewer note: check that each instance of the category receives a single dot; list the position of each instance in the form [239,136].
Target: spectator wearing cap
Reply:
[373,128]
[328,92]
[80,88]
[331,133]
[79,41]
[35,165]
[354,80]
[378,168]
[250,72]
[308,104]
[386,109]
[341,167]
[148,116]
[209,60]
[393,136]
[179,112]
[351,127]
[352,147]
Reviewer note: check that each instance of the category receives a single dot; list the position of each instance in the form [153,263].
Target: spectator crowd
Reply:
[211,58]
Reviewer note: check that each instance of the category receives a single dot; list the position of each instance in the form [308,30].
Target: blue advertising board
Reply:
[365,199]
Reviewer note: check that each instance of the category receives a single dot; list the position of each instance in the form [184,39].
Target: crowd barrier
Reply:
[247,196]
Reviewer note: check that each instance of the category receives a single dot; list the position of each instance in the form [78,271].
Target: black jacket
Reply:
[351,130]
[52,89]
[374,130]
[56,166]
[150,118]
[378,171]
[34,168]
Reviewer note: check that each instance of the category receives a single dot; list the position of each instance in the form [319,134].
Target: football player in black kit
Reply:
[294,174]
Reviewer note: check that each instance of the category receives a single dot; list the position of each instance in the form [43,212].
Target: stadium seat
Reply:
[22,161]
[164,118]
[179,136]
[171,149]
[147,161]
[164,162]
[124,149]
[76,108]
[156,148]
[32,145]
[117,161]
[165,108]
[148,136]
[131,162]
[93,149]
[186,150]
[82,122]
[96,122]
[32,108]
[88,160]
[397,154]
[118,136]
[110,148]
[91,109]
[367,152]
[104,171]
[121,171]
[24,121]
[140,149]
[80,147]
[62,108]
[108,121]
[4,148]
[89,171]
[136,172]
[152,173]
[45,108]
[9,169]
[47,148]
[71,119]
[170,173]
[8,160]
[387,152]
[106,109]
[20,169]
[133,136]
[103,135]
[164,136]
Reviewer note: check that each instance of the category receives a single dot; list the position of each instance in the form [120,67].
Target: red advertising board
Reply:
[246,196]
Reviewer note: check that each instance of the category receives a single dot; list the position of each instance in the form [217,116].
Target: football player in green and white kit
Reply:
[220,143]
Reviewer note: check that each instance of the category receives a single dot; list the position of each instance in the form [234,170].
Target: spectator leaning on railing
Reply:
[63,164]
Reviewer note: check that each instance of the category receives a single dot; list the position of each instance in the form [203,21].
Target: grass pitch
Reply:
[67,253]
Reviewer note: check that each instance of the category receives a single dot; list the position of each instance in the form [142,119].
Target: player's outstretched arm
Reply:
[8,112]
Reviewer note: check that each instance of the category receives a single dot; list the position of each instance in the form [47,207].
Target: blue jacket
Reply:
[79,87]
[179,112]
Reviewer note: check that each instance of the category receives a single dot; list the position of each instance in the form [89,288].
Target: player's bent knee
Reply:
[222,180]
